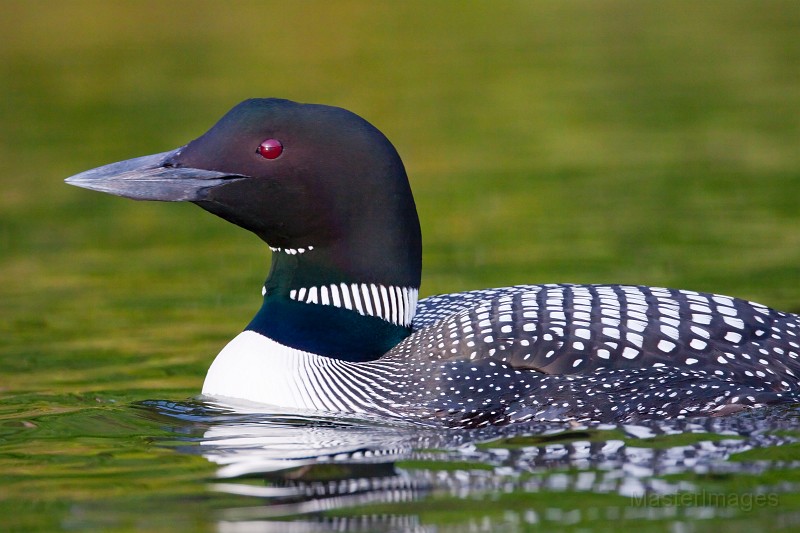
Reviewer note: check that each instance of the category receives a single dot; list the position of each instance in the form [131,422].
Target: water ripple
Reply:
[331,468]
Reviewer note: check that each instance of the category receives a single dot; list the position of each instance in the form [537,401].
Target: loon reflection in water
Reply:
[302,466]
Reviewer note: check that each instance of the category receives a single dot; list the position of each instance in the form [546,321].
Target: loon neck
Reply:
[310,304]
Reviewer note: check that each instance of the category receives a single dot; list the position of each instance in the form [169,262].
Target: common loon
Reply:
[340,328]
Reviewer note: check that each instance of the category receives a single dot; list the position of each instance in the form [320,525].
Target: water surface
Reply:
[99,464]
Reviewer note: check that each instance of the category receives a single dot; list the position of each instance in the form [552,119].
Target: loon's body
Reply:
[340,328]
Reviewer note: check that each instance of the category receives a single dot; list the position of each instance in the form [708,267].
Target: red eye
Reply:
[270,149]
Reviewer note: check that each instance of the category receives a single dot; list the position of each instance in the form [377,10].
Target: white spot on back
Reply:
[669,331]
[697,344]
[733,337]
[666,346]
[630,353]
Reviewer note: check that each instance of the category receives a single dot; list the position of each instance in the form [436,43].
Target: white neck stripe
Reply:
[397,305]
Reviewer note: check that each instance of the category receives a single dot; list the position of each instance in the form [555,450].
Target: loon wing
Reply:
[581,329]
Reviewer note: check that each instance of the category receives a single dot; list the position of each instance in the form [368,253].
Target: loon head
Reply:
[327,192]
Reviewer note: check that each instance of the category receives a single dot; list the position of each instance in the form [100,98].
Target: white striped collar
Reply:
[397,305]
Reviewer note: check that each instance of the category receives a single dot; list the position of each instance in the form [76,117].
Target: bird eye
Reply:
[270,149]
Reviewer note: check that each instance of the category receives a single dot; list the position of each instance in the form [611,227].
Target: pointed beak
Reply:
[152,177]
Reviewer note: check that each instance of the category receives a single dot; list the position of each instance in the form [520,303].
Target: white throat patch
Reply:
[291,251]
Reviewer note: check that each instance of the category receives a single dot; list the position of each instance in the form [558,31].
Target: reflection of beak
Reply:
[152,177]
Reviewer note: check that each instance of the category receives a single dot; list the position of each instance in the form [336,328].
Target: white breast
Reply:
[255,368]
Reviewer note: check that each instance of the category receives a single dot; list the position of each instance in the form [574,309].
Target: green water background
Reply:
[598,142]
